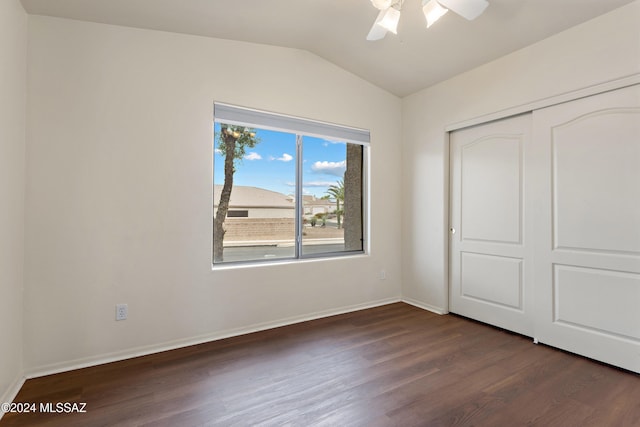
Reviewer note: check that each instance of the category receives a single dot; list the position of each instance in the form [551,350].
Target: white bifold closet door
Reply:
[586,187]
[490,245]
[545,218]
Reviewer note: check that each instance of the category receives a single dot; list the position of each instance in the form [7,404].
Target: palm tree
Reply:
[337,192]
[232,143]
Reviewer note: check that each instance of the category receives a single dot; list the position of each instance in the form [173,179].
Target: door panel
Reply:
[593,190]
[491,186]
[580,302]
[492,279]
[587,247]
[488,253]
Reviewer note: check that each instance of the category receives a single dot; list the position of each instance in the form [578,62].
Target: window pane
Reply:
[260,220]
[332,196]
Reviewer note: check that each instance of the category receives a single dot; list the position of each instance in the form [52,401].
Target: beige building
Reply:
[254,202]
[314,205]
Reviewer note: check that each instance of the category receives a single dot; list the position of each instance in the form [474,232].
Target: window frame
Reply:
[300,127]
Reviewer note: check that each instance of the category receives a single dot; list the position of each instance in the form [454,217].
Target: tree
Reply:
[353,198]
[232,143]
[337,192]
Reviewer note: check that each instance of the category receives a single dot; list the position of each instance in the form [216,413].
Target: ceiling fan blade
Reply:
[469,9]
[377,32]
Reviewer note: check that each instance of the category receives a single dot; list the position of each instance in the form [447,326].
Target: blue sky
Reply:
[271,164]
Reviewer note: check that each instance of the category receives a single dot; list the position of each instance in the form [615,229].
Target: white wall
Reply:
[118,203]
[13,66]
[595,52]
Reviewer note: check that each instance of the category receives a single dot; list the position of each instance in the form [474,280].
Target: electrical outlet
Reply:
[382,275]
[121,311]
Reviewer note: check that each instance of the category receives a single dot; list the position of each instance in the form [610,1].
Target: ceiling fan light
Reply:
[376,33]
[382,4]
[388,19]
[432,11]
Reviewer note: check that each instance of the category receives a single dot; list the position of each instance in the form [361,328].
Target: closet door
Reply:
[489,244]
[587,240]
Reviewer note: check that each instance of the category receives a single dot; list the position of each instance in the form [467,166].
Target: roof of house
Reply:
[243,196]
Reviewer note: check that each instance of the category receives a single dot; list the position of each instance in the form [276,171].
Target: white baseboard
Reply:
[55,368]
[12,391]
[432,308]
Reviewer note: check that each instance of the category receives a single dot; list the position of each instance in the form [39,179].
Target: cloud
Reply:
[285,157]
[253,156]
[330,168]
[312,184]
[318,183]
[327,142]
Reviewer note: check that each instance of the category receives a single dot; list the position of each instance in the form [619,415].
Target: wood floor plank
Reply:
[394,365]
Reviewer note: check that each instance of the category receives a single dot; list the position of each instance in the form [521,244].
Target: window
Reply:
[237,214]
[286,188]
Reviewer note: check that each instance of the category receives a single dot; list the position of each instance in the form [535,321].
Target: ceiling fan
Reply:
[433,10]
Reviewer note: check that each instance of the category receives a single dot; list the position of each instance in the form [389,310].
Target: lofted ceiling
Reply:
[335,30]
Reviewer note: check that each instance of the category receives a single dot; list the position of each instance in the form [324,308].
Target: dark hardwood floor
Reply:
[395,365]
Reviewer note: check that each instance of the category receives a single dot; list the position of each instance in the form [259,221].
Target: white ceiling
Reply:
[336,29]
